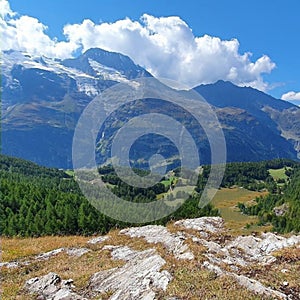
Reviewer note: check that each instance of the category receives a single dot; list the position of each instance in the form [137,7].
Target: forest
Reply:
[37,201]
[281,207]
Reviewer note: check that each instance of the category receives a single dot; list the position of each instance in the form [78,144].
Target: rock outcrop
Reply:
[204,225]
[142,276]
[78,252]
[51,287]
[174,242]
[139,278]
[98,240]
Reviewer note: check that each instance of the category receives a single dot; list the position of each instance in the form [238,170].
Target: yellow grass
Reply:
[226,201]
[32,246]
[190,279]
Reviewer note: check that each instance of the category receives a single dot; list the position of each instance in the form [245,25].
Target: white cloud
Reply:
[291,96]
[25,33]
[165,46]
[5,9]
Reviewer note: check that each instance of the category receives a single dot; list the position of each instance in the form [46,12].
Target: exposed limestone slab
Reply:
[51,287]
[160,234]
[247,250]
[123,252]
[70,251]
[49,254]
[98,240]
[203,225]
[78,252]
[10,265]
[258,249]
[243,251]
[256,287]
[139,278]
[250,284]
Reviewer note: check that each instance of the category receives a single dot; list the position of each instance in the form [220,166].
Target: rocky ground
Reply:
[188,259]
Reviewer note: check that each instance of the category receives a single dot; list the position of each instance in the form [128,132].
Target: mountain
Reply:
[43,98]
[254,123]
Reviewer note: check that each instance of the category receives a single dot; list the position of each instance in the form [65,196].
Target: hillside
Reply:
[41,201]
[198,256]
[43,98]
[188,259]
[49,201]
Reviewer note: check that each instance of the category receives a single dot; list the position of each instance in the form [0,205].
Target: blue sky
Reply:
[270,28]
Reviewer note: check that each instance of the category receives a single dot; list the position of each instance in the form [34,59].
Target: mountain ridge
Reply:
[43,98]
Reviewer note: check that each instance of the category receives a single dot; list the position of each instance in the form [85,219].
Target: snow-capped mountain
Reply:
[42,99]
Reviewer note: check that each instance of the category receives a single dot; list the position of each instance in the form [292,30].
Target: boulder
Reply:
[98,240]
[51,287]
[174,242]
[204,225]
[139,278]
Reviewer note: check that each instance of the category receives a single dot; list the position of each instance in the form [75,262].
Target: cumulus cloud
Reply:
[165,46]
[5,9]
[291,96]
[27,34]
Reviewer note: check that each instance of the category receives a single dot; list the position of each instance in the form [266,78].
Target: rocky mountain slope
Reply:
[188,259]
[43,98]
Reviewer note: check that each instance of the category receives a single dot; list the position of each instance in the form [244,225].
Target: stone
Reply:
[51,287]
[10,265]
[49,254]
[204,225]
[98,240]
[78,252]
[285,283]
[174,242]
[256,287]
[139,278]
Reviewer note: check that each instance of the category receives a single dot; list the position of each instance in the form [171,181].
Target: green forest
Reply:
[36,201]
[281,207]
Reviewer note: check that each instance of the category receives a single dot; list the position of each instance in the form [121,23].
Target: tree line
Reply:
[36,201]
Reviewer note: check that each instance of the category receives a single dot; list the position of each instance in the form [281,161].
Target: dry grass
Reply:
[285,269]
[79,269]
[190,279]
[226,201]
[32,246]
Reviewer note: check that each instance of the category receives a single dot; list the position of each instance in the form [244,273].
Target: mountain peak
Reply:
[225,93]
[113,60]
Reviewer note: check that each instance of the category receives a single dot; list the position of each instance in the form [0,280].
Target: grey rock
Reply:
[250,284]
[49,254]
[78,252]
[204,225]
[256,287]
[10,265]
[122,252]
[139,278]
[174,242]
[98,240]
[213,268]
[247,250]
[284,271]
[285,283]
[51,287]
